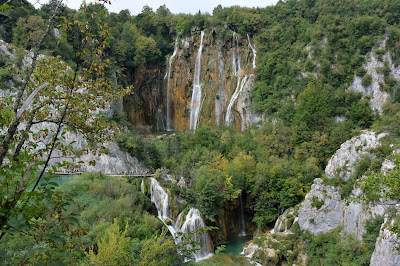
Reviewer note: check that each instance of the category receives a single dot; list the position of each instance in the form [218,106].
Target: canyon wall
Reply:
[213,81]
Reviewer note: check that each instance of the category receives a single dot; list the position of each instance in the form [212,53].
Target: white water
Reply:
[160,198]
[192,222]
[233,55]
[195,105]
[254,51]
[235,95]
[242,225]
[142,186]
[168,77]
[239,85]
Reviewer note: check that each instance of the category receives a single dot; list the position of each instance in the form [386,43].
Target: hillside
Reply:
[280,123]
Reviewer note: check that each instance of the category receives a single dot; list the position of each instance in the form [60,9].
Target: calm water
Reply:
[61,179]
[235,244]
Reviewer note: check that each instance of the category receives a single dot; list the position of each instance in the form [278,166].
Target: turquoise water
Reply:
[235,244]
[61,179]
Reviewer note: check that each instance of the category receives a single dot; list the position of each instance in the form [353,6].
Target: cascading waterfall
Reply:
[160,198]
[142,186]
[242,225]
[168,77]
[193,221]
[235,95]
[254,51]
[195,105]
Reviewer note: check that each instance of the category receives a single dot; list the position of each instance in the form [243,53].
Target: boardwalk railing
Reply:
[117,175]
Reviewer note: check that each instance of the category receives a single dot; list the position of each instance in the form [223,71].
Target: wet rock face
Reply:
[218,81]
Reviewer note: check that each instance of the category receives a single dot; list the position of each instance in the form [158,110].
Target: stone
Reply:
[343,161]
[386,248]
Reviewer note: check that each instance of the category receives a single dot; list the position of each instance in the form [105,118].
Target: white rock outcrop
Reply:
[334,210]
[343,161]
[372,65]
[328,216]
[386,248]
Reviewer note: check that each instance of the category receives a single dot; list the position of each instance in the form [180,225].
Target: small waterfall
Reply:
[254,51]
[242,225]
[236,72]
[193,221]
[233,55]
[195,105]
[238,56]
[142,186]
[168,77]
[235,95]
[160,198]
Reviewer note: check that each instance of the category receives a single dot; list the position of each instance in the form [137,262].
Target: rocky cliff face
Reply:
[223,63]
[373,66]
[386,247]
[325,209]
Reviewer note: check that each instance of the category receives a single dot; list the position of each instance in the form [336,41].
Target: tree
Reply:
[111,247]
[63,99]
[157,251]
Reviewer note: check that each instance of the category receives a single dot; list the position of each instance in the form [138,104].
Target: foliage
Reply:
[111,247]
[317,203]
[331,248]
[156,251]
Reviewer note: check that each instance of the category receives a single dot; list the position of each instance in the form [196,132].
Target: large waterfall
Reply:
[168,76]
[195,105]
[254,51]
[192,222]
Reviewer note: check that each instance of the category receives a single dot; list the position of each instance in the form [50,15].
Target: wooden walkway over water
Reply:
[134,175]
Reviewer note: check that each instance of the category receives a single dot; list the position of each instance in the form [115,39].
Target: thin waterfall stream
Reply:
[239,84]
[195,104]
[168,77]
[242,225]
[254,51]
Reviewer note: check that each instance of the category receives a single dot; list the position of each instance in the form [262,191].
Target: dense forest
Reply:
[308,54]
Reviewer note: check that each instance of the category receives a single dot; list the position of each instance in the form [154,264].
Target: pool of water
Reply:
[235,244]
[61,179]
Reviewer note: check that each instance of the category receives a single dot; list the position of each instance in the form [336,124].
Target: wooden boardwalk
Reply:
[119,175]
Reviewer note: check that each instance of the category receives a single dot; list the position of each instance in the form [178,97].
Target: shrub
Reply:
[367,80]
